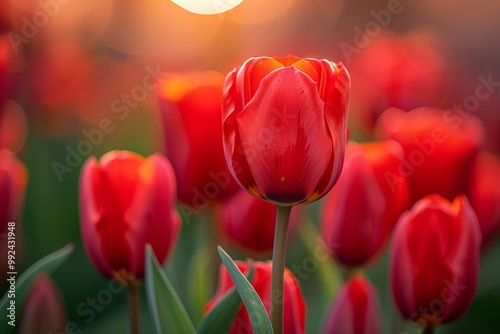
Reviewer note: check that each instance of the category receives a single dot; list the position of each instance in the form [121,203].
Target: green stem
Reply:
[279,256]
[134,311]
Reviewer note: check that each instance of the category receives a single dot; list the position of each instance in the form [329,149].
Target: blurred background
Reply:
[66,65]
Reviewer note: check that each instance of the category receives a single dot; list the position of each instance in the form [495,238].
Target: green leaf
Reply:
[48,264]
[256,311]
[166,310]
[221,316]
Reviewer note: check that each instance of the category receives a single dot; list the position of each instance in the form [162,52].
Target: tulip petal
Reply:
[337,102]
[119,183]
[91,213]
[152,216]
[284,136]
[233,152]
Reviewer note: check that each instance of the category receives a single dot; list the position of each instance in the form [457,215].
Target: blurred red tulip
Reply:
[410,73]
[126,202]
[248,223]
[61,77]
[190,107]
[13,126]
[43,310]
[294,303]
[484,194]
[285,127]
[13,178]
[6,57]
[440,147]
[356,309]
[363,207]
[434,263]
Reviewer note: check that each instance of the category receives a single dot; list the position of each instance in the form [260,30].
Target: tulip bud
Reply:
[126,202]
[484,194]
[361,210]
[248,223]
[285,127]
[439,146]
[43,310]
[190,106]
[356,309]
[435,260]
[294,303]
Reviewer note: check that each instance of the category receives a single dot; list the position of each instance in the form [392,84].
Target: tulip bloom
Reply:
[294,304]
[6,57]
[440,148]
[285,127]
[356,309]
[411,72]
[190,106]
[484,194]
[435,260]
[361,210]
[247,222]
[13,178]
[126,202]
[43,310]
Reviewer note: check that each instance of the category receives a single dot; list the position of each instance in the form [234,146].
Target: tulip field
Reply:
[246,166]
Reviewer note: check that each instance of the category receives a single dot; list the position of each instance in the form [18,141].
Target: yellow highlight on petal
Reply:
[282,179]
[207,7]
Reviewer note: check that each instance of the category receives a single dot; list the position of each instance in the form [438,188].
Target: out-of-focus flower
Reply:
[61,77]
[190,106]
[363,207]
[43,310]
[405,72]
[294,304]
[434,261]
[6,57]
[356,309]
[285,127]
[126,202]
[248,223]
[440,147]
[13,178]
[484,193]
[13,126]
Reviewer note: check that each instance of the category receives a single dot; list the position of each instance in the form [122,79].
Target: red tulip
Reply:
[294,304]
[410,72]
[190,107]
[356,309]
[13,178]
[484,194]
[284,127]
[43,310]
[6,58]
[362,209]
[435,260]
[248,223]
[126,202]
[440,147]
